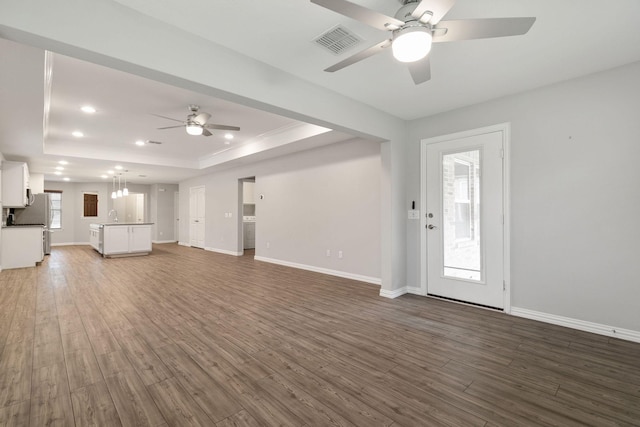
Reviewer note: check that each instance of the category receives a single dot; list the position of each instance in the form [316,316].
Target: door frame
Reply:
[505,128]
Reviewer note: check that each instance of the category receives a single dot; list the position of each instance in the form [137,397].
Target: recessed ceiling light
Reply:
[140,143]
[88,109]
[66,178]
[110,172]
[118,167]
[59,168]
[63,162]
[58,173]
[228,136]
[104,176]
[77,134]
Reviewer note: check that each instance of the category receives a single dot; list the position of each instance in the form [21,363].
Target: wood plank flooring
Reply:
[186,337]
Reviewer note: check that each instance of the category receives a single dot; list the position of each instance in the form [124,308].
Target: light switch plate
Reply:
[414,214]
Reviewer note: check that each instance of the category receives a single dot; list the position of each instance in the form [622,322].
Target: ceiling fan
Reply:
[196,123]
[415,26]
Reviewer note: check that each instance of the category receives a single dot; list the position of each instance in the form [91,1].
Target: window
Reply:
[55,197]
[90,204]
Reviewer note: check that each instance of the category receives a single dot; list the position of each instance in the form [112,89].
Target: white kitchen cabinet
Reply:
[125,239]
[15,181]
[36,183]
[95,237]
[22,246]
[140,238]
[248,192]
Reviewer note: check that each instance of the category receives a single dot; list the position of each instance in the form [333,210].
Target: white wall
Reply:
[575,202]
[75,227]
[326,198]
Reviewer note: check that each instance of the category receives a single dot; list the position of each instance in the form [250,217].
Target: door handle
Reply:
[431,227]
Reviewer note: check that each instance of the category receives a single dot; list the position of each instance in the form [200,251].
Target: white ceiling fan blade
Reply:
[363,54]
[171,127]
[206,132]
[360,13]
[201,118]
[222,127]
[438,9]
[467,29]
[168,118]
[420,70]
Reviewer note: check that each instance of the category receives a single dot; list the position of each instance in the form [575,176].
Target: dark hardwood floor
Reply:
[186,337]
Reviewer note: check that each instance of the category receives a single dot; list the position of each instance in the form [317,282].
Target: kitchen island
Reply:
[119,239]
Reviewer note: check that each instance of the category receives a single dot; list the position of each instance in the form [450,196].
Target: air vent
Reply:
[153,142]
[338,39]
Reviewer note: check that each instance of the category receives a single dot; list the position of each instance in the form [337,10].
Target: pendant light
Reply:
[125,190]
[119,193]
[114,194]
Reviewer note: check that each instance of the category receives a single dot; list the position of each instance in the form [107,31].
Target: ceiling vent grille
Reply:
[338,39]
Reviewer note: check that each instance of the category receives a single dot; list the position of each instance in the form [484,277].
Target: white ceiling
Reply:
[570,38]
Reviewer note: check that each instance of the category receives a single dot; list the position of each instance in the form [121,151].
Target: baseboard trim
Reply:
[394,293]
[160,242]
[415,291]
[184,244]
[337,273]
[596,328]
[223,251]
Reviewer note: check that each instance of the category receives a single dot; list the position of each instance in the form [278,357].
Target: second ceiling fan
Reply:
[196,123]
[415,26]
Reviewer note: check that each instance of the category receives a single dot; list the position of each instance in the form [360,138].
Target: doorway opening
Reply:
[247,221]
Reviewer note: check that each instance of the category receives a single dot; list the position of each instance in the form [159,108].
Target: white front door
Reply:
[196,217]
[464,218]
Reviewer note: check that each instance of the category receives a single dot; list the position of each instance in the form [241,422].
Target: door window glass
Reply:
[462,251]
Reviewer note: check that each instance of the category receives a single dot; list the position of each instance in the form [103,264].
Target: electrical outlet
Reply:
[268,245]
[328,252]
[340,254]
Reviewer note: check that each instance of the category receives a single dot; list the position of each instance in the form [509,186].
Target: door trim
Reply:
[505,128]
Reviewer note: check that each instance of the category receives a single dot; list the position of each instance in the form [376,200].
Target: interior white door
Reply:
[196,217]
[464,223]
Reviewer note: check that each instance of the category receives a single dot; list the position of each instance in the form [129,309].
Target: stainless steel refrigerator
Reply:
[39,212]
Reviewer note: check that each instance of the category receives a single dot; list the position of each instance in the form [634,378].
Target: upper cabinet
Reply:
[248,192]
[36,183]
[15,181]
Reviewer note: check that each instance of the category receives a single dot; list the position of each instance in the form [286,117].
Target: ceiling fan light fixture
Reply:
[194,129]
[411,43]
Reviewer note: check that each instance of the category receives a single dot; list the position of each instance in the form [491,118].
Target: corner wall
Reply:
[317,200]
[574,197]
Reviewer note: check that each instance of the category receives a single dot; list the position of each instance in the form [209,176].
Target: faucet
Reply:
[115,214]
